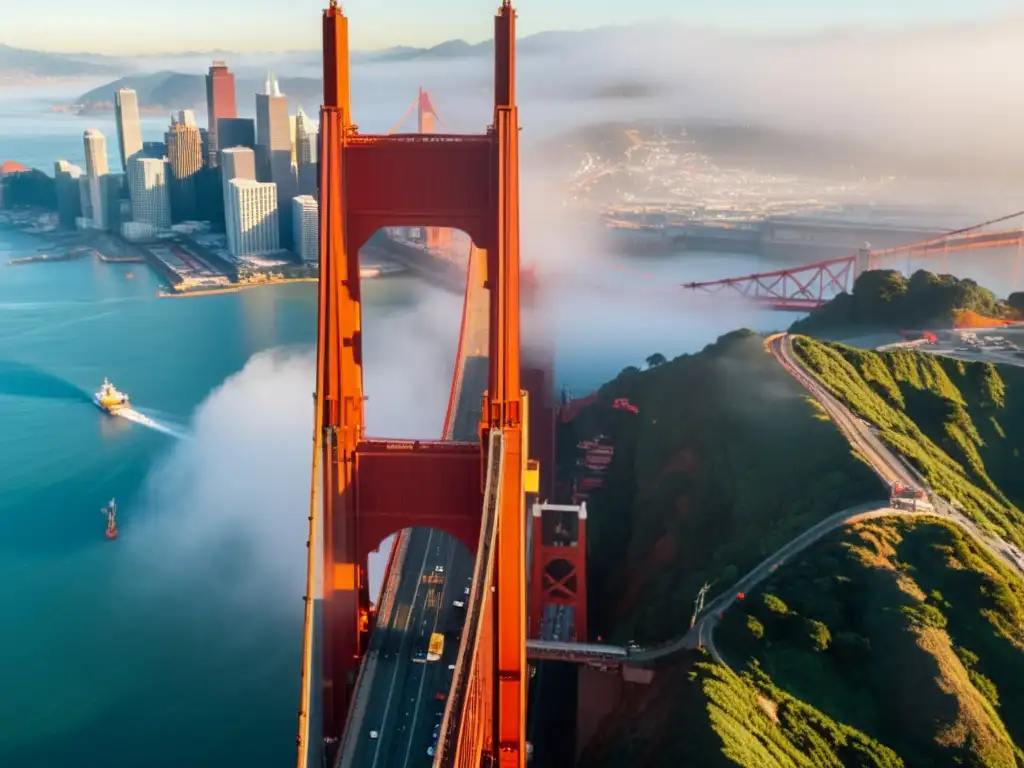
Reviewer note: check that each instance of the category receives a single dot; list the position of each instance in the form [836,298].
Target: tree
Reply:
[818,635]
[1016,300]
[655,360]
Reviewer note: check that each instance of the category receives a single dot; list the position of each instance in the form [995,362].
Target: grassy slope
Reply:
[892,643]
[704,487]
[904,629]
[961,424]
[705,716]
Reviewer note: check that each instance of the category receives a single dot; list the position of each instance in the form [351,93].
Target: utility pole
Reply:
[698,603]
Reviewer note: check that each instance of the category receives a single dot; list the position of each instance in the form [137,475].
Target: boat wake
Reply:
[140,418]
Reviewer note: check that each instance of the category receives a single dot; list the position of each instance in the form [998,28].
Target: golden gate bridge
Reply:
[480,484]
[486,482]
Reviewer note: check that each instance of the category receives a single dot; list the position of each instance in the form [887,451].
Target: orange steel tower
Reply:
[374,488]
[559,565]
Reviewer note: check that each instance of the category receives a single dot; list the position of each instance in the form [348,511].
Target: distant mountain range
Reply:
[15,62]
[168,89]
[23,62]
[171,91]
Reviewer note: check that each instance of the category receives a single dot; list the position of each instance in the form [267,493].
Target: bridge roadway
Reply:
[396,697]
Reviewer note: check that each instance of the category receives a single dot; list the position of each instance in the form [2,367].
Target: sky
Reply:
[118,26]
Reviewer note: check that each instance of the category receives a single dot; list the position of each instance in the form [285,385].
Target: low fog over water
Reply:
[904,92]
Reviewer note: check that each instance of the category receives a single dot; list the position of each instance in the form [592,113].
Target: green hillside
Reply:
[701,488]
[960,424]
[885,299]
[703,715]
[894,642]
[903,629]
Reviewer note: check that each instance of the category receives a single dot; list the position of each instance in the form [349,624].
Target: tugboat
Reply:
[111,513]
[108,398]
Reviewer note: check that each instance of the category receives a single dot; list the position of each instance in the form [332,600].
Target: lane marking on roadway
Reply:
[398,661]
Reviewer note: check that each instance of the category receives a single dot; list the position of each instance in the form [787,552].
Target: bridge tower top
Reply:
[426,115]
[505,56]
[337,80]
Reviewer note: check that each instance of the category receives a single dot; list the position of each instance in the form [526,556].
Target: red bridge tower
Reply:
[374,488]
[559,578]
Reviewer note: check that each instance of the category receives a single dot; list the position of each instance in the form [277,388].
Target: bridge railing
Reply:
[448,744]
[309,739]
[460,356]
[576,652]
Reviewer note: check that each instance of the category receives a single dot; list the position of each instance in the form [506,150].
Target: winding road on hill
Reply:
[890,468]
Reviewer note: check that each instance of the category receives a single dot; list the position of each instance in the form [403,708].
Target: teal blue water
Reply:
[178,644]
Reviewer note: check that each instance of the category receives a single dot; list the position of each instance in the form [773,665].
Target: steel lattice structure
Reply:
[805,287]
[798,289]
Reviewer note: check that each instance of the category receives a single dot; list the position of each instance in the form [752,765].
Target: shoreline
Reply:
[195,293]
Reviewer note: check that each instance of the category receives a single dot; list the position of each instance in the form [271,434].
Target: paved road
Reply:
[403,706]
[884,461]
[886,465]
[397,697]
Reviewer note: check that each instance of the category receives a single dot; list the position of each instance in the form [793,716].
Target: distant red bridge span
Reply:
[803,288]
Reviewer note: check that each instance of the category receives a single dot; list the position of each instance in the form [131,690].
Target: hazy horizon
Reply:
[903,91]
[115,27]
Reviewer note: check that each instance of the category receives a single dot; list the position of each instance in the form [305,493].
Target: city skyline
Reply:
[114,26]
[175,184]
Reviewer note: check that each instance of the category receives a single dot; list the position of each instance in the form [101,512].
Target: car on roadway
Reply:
[438,569]
[459,604]
[374,734]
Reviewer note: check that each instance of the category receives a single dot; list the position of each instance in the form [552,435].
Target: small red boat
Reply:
[111,512]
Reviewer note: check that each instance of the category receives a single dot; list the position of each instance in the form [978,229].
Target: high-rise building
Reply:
[252,217]
[292,128]
[129,129]
[185,156]
[235,163]
[274,150]
[154,149]
[235,132]
[96,167]
[69,200]
[273,131]
[85,202]
[306,225]
[151,202]
[305,138]
[220,104]
[117,205]
[305,151]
